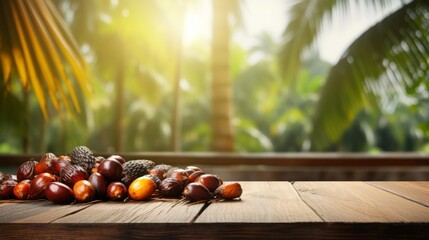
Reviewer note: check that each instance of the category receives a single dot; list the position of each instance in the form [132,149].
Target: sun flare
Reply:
[197,25]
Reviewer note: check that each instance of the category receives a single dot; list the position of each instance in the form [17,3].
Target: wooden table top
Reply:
[345,210]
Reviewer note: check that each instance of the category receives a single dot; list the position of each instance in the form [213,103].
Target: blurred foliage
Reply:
[37,50]
[386,64]
[130,44]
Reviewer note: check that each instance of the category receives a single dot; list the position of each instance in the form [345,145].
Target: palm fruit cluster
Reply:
[137,168]
[83,156]
[82,177]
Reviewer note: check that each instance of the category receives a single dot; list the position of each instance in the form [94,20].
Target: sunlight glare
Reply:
[197,25]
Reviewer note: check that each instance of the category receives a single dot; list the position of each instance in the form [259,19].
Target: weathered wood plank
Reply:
[134,212]
[53,213]
[314,230]
[358,202]
[414,191]
[10,212]
[261,202]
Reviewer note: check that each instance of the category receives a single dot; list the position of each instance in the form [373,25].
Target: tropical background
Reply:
[220,75]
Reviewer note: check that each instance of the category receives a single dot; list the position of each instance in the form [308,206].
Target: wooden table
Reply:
[346,210]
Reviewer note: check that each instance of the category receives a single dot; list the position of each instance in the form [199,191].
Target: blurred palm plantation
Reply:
[120,78]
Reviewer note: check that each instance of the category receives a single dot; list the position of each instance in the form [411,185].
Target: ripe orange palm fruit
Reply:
[141,188]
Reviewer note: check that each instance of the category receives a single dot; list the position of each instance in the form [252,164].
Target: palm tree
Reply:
[389,59]
[221,85]
[38,50]
[133,49]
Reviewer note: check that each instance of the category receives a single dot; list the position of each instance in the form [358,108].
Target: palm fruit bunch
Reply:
[137,168]
[83,177]
[83,156]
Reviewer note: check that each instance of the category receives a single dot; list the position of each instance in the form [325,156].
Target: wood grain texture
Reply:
[414,191]
[358,202]
[134,212]
[268,210]
[10,212]
[215,231]
[261,202]
[53,213]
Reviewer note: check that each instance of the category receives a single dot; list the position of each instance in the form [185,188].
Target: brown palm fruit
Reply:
[22,189]
[195,192]
[210,181]
[84,191]
[26,170]
[46,164]
[229,191]
[6,189]
[71,174]
[39,184]
[171,187]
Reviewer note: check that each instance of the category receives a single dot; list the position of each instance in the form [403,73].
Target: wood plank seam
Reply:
[74,212]
[204,207]
[308,205]
[397,194]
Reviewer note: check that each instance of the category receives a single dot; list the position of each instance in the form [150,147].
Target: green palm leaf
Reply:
[37,49]
[390,59]
[307,18]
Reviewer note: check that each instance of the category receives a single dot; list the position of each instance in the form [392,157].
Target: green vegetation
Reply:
[149,91]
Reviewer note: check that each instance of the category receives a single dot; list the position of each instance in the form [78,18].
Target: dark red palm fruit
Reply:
[195,192]
[59,193]
[116,191]
[99,183]
[117,158]
[59,164]
[39,184]
[210,181]
[111,169]
[6,189]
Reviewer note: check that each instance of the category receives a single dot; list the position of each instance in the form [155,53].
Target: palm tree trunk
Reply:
[176,118]
[26,124]
[221,101]
[119,115]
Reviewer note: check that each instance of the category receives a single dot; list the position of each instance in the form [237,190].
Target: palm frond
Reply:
[389,59]
[37,49]
[307,20]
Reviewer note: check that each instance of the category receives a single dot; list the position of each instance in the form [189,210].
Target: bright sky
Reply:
[271,16]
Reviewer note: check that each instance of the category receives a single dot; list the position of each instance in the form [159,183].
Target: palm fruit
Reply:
[164,167]
[83,156]
[137,168]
